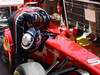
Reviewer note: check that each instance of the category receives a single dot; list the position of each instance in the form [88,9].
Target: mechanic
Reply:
[26,26]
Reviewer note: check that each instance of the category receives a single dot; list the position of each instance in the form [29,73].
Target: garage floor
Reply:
[3,69]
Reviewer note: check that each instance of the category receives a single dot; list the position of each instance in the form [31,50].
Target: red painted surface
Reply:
[8,42]
[76,53]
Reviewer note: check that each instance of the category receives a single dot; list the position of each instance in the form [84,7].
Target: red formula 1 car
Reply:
[35,49]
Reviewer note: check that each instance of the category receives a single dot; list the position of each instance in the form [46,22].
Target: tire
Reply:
[30,68]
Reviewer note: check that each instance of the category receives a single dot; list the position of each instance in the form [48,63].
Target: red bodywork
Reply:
[80,56]
[63,47]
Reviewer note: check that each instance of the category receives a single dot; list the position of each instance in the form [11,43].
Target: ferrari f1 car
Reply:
[34,48]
